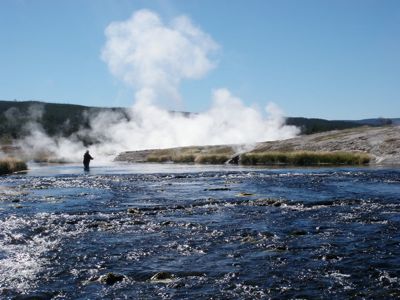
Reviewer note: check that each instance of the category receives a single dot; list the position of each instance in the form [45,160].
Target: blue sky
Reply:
[326,59]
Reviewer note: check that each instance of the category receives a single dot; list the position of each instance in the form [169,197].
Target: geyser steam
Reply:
[153,58]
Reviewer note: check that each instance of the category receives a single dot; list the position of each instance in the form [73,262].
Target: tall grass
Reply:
[192,154]
[10,165]
[212,159]
[184,158]
[171,158]
[158,159]
[304,158]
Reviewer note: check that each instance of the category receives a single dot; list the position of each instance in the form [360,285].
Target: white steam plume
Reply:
[153,58]
[227,122]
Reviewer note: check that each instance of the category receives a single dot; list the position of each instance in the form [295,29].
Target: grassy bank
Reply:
[10,165]
[304,158]
[211,159]
[199,155]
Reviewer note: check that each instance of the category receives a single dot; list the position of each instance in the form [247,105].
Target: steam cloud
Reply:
[153,58]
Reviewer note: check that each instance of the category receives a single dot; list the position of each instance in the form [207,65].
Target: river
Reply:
[150,231]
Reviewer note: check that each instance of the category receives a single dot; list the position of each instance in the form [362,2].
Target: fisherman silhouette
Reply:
[86,160]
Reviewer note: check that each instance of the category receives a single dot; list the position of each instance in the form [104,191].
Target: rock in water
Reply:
[160,276]
[111,278]
[244,194]
[298,232]
[134,211]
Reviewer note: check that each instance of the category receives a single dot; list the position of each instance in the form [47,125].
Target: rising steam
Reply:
[153,58]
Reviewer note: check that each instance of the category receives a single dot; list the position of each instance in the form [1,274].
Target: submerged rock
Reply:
[298,232]
[111,278]
[138,222]
[267,202]
[134,211]
[244,194]
[166,223]
[217,189]
[330,256]
[278,247]
[162,276]
[36,296]
[249,239]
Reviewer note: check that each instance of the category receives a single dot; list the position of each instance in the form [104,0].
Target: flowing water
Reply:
[209,233]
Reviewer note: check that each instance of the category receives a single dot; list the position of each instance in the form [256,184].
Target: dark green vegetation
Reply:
[304,158]
[67,119]
[11,165]
[310,126]
[64,120]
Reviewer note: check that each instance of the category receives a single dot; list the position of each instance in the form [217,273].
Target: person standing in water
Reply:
[86,160]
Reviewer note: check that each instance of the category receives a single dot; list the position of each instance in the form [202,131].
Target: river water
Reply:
[195,232]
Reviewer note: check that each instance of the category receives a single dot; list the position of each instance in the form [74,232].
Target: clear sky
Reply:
[326,59]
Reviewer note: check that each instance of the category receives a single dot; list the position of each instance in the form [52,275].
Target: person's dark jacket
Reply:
[86,159]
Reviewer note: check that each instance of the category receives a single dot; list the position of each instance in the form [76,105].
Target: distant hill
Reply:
[56,119]
[310,126]
[379,121]
[66,119]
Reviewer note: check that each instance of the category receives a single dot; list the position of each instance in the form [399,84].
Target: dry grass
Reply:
[187,158]
[212,159]
[183,159]
[159,159]
[305,158]
[220,155]
[198,155]
[10,165]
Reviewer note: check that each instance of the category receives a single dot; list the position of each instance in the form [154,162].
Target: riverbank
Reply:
[11,165]
[357,146]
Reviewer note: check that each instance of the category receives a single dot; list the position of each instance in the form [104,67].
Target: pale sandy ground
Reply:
[381,143]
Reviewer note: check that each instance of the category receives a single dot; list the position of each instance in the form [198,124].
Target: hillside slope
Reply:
[382,144]
[55,119]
